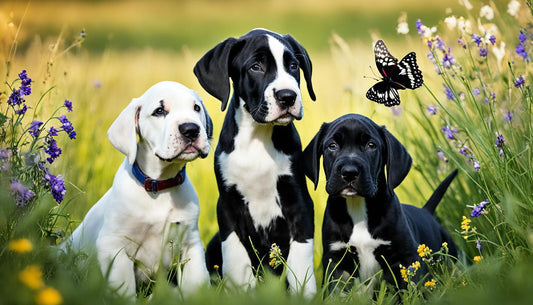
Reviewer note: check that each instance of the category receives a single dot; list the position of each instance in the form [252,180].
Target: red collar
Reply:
[154,186]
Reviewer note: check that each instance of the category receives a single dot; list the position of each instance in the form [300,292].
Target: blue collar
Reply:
[154,186]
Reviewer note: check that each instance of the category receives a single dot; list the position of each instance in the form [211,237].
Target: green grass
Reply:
[131,45]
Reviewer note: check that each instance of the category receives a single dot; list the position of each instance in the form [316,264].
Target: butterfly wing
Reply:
[409,75]
[383,93]
[385,62]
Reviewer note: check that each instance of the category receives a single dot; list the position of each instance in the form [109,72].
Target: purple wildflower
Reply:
[500,141]
[478,245]
[25,83]
[518,82]
[450,132]
[449,92]
[419,27]
[508,116]
[52,131]
[493,96]
[522,37]
[465,151]
[448,60]
[440,44]
[478,209]
[483,52]
[492,39]
[477,167]
[520,50]
[34,128]
[68,104]
[52,149]
[67,126]
[442,156]
[15,98]
[432,109]
[22,110]
[57,186]
[397,110]
[461,42]
[476,91]
[22,194]
[476,39]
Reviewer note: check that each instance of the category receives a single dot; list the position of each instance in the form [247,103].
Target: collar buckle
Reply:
[150,185]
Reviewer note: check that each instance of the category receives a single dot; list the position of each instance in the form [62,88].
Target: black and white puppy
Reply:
[365,227]
[263,197]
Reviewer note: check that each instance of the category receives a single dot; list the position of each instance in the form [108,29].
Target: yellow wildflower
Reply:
[32,276]
[465,224]
[423,250]
[275,255]
[430,284]
[21,245]
[477,258]
[216,267]
[403,273]
[48,296]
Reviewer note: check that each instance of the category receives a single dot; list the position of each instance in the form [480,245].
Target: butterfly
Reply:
[396,76]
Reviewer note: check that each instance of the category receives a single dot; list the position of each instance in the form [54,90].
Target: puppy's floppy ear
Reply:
[398,160]
[305,63]
[208,123]
[212,70]
[312,153]
[123,132]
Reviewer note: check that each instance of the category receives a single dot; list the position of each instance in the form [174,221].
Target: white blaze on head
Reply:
[282,81]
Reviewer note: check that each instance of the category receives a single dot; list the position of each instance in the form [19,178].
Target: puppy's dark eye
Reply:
[333,146]
[293,66]
[371,145]
[197,108]
[256,68]
[159,112]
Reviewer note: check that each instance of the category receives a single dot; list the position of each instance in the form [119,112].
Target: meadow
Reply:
[101,54]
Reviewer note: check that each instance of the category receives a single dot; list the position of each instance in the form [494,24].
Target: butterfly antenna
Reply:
[374,73]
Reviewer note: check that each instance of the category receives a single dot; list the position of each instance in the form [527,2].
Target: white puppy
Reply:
[149,216]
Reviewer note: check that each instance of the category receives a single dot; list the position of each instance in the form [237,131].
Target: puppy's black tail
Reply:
[437,195]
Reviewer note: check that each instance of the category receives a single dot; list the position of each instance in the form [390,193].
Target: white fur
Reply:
[128,223]
[361,239]
[283,80]
[254,167]
[237,265]
[300,273]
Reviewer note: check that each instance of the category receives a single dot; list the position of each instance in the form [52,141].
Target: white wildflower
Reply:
[487,12]
[451,22]
[403,26]
[513,7]
[464,25]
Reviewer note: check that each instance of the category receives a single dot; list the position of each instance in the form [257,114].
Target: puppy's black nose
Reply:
[189,130]
[286,97]
[349,173]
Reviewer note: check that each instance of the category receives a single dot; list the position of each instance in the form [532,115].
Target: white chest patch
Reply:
[254,167]
[362,240]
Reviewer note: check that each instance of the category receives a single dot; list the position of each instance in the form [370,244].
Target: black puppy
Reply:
[263,196]
[365,227]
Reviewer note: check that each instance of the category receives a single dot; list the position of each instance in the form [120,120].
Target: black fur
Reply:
[363,159]
[233,59]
